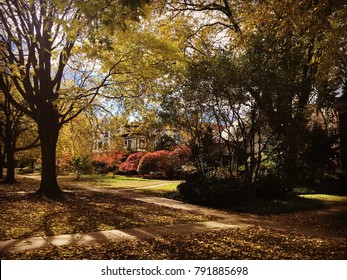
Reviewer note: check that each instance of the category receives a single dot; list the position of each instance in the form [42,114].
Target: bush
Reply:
[318,156]
[164,162]
[342,179]
[81,165]
[154,162]
[131,163]
[109,161]
[218,193]
[331,184]
[99,167]
[272,186]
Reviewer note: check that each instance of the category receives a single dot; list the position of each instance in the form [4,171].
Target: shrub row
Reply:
[163,162]
[223,192]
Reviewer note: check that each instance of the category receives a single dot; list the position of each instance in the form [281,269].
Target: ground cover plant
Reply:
[242,243]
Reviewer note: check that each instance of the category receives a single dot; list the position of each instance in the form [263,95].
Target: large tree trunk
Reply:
[10,165]
[48,125]
[1,163]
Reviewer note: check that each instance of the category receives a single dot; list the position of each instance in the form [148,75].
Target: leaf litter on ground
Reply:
[240,243]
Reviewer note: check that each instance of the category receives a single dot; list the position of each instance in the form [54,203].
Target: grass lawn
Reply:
[162,190]
[247,243]
[124,182]
[326,199]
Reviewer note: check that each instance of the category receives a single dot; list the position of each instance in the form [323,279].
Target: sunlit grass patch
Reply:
[326,198]
[167,190]
[120,181]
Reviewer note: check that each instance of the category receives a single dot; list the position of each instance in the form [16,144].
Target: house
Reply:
[134,138]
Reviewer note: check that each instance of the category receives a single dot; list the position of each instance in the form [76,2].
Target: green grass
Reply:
[124,182]
[167,187]
[169,190]
[326,199]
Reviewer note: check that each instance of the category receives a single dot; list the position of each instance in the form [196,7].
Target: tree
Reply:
[165,142]
[41,51]
[17,132]
[235,132]
[286,50]
[242,131]
[2,159]
[75,145]
[193,125]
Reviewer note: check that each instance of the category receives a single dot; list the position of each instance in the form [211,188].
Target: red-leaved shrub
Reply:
[109,160]
[130,165]
[154,162]
[164,162]
[179,156]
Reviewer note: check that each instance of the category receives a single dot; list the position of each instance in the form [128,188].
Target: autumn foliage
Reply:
[164,162]
[154,162]
[109,160]
[131,163]
[180,156]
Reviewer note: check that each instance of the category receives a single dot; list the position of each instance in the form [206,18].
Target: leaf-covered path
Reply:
[330,223]
[325,223]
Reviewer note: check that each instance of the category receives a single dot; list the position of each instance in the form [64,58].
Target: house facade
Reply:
[133,138]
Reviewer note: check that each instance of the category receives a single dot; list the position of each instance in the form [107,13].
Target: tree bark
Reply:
[48,124]
[10,149]
[1,163]
[10,165]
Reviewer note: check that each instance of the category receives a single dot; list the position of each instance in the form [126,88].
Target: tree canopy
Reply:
[200,63]
[45,50]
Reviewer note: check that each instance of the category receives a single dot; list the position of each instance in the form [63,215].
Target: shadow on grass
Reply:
[25,216]
[277,206]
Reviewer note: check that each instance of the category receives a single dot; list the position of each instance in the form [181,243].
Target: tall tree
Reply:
[41,51]
[2,160]
[15,128]
[215,89]
[286,48]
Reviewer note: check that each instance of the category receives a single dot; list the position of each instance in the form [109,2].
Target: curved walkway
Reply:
[224,220]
